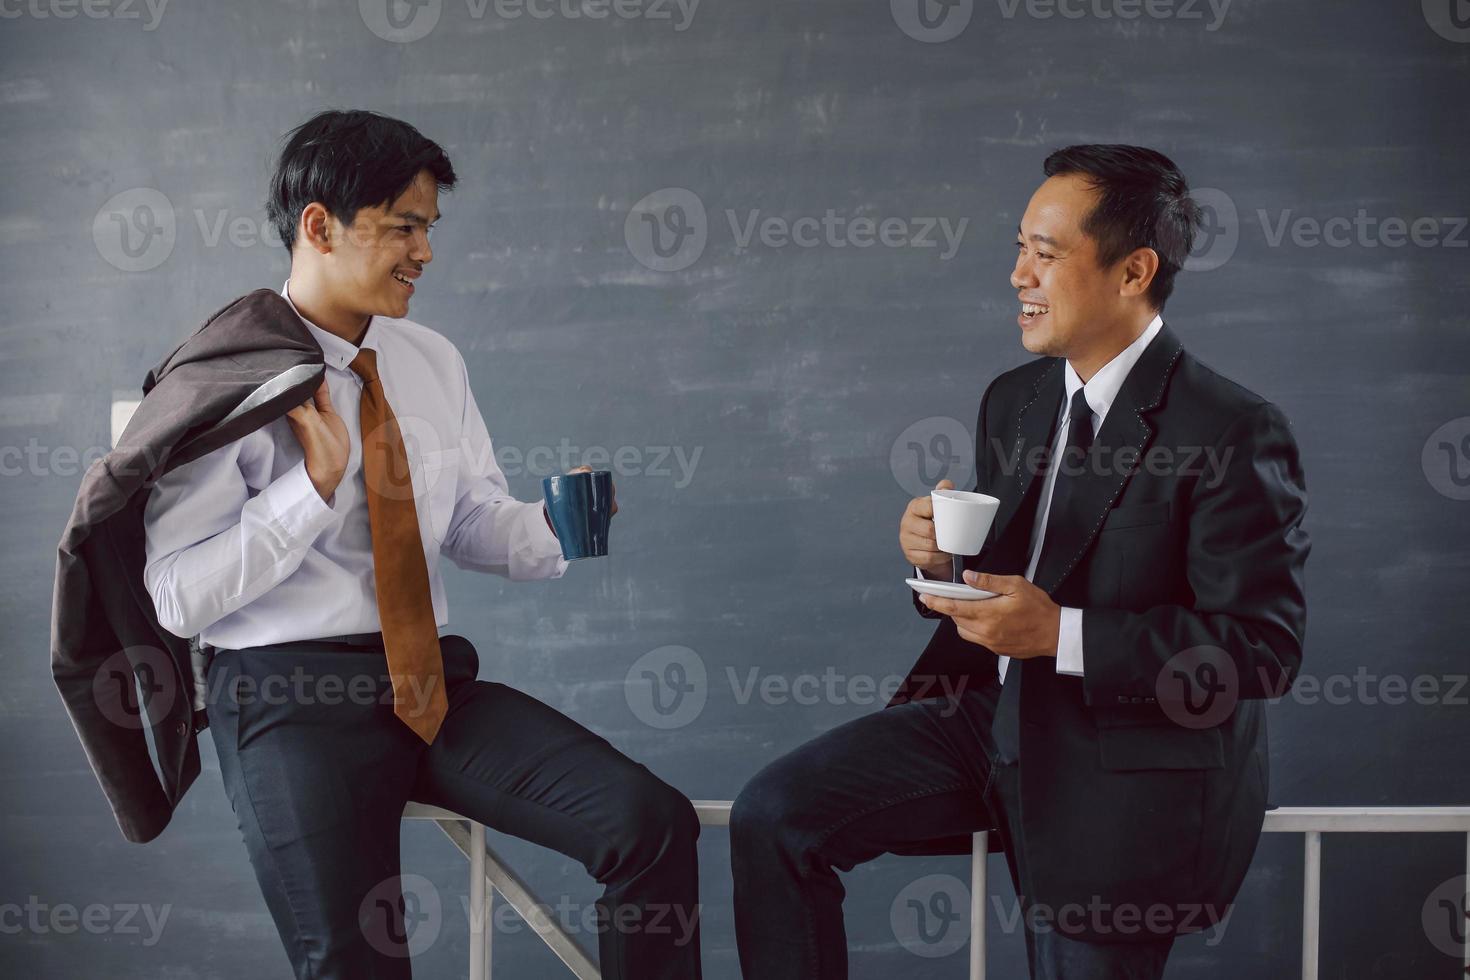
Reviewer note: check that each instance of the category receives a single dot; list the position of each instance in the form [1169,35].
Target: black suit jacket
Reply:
[250,363]
[1144,781]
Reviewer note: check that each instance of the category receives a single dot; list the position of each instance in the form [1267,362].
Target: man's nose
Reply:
[422,251]
[1021,275]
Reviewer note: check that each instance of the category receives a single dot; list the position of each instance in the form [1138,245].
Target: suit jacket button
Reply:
[182,728]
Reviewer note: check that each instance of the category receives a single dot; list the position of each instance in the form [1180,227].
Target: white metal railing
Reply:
[489,875]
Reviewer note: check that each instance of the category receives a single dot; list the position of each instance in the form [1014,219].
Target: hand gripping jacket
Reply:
[249,364]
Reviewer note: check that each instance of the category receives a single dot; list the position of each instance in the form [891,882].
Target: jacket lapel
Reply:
[1118,450]
[1035,429]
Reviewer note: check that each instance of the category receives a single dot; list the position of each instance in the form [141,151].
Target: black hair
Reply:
[349,159]
[1143,202]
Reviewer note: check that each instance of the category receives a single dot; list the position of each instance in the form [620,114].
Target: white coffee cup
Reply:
[962,519]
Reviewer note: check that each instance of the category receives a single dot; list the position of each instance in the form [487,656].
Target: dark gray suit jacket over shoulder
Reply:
[249,364]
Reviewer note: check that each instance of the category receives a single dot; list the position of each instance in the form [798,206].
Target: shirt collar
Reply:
[335,351]
[1104,386]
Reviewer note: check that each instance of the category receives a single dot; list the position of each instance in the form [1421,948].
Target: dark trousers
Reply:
[318,770]
[896,780]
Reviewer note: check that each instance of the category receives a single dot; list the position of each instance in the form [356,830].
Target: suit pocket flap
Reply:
[1137,515]
[1160,747]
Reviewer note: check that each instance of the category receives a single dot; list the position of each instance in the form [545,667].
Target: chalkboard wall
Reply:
[835,188]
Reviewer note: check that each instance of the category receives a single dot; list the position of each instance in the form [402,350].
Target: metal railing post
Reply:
[1311,904]
[479,921]
[979,855]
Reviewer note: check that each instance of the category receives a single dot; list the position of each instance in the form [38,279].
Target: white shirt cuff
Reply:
[1069,642]
[543,538]
[296,506]
[541,552]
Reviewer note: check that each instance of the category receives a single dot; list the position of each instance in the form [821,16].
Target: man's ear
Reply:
[1139,269]
[315,229]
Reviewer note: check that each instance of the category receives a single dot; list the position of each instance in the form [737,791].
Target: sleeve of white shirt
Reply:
[490,530]
[1069,642]
[211,547]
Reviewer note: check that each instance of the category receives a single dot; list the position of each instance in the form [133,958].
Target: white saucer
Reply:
[948,590]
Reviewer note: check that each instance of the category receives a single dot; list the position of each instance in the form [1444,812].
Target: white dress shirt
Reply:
[243,551]
[1100,391]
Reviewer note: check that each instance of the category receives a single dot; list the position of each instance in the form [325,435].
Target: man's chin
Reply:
[1037,343]
[391,306]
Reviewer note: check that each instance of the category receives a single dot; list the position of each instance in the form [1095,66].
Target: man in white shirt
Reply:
[264,549]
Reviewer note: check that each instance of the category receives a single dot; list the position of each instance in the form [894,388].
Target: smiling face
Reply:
[370,265]
[1070,307]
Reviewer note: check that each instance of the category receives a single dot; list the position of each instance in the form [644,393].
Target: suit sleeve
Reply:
[982,485]
[1245,563]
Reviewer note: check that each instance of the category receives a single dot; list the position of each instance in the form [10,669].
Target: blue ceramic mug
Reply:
[580,508]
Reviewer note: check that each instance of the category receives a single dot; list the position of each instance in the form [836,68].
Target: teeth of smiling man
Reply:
[402,279]
[1031,309]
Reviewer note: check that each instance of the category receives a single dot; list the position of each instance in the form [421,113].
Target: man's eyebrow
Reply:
[415,217]
[1042,238]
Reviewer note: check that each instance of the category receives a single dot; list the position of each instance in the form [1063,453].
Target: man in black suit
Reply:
[1103,712]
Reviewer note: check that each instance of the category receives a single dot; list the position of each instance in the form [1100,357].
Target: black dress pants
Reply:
[318,770]
[915,778]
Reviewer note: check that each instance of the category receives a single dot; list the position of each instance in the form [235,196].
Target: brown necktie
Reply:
[405,606]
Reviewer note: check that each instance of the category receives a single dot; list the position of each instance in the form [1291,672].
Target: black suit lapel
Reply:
[1035,430]
[1118,450]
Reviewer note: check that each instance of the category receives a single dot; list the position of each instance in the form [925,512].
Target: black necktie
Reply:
[1065,523]
[1064,529]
